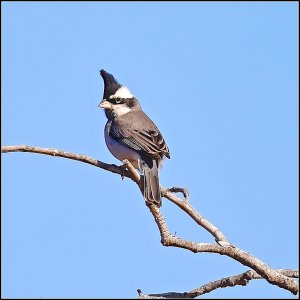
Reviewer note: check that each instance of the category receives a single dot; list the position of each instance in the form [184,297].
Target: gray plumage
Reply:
[131,134]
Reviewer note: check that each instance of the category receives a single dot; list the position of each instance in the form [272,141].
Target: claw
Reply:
[123,171]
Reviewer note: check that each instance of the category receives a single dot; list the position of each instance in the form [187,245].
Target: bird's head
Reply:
[117,99]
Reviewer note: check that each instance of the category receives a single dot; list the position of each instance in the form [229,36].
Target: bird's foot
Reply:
[124,169]
[134,174]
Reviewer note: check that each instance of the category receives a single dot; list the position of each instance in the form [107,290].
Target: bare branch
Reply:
[69,155]
[245,258]
[184,192]
[231,281]
[222,246]
[187,208]
[240,279]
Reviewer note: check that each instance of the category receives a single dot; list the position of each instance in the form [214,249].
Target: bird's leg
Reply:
[135,176]
[124,169]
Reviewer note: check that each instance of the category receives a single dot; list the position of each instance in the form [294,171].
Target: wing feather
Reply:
[147,140]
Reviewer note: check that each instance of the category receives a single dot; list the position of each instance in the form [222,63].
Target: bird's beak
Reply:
[105,104]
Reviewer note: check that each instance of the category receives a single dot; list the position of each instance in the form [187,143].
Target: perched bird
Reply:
[130,134]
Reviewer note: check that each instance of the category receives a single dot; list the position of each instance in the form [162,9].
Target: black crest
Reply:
[111,85]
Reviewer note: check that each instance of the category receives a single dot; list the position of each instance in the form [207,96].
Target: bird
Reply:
[130,134]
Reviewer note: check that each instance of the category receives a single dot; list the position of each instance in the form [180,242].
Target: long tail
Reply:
[151,183]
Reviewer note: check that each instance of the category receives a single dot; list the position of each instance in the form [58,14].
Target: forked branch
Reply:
[281,278]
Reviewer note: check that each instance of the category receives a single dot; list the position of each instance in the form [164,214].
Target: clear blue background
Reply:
[221,82]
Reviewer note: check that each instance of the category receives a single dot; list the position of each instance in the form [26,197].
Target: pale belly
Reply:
[120,151]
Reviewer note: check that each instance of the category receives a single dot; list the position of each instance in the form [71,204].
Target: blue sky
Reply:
[219,79]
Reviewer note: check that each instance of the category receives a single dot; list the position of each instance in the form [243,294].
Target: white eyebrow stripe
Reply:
[122,92]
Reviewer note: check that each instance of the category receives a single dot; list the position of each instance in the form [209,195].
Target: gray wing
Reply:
[137,131]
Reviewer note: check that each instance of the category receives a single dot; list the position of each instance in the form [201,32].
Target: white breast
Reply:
[120,151]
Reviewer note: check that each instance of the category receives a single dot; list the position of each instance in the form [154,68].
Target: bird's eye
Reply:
[118,100]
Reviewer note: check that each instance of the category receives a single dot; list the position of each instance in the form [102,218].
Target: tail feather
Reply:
[151,184]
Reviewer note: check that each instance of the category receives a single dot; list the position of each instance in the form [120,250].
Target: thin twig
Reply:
[231,281]
[184,192]
[187,208]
